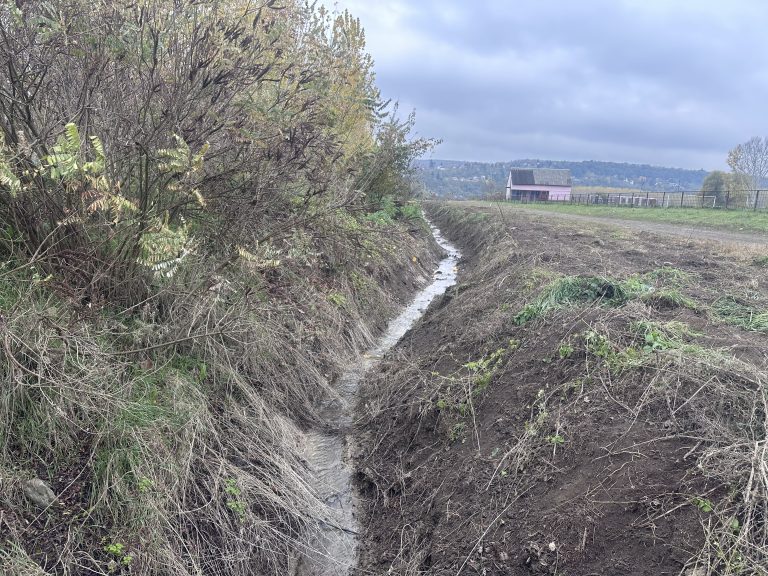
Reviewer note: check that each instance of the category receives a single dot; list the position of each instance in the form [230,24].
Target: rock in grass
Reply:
[39,493]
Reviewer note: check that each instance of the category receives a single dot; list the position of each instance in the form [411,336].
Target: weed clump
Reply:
[468,383]
[667,275]
[657,336]
[669,298]
[736,312]
[660,288]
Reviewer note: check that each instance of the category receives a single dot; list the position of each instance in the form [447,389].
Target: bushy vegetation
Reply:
[134,137]
[188,193]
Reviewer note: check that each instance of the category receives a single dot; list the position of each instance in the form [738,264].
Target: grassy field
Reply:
[735,220]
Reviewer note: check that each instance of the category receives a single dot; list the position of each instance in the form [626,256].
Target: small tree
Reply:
[750,160]
[738,187]
[389,170]
[716,184]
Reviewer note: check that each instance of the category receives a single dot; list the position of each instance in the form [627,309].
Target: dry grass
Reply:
[171,433]
[722,402]
[187,460]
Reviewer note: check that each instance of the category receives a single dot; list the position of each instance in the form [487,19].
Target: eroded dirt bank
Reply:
[583,402]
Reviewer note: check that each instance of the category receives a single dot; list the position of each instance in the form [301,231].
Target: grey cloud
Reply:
[677,82]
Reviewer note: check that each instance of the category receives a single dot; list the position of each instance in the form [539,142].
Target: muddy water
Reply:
[334,552]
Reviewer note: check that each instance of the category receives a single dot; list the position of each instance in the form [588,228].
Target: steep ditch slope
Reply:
[582,402]
[168,439]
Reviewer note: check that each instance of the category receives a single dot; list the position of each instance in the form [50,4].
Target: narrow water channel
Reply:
[334,553]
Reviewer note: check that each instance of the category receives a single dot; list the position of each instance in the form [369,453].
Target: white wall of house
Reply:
[556,193]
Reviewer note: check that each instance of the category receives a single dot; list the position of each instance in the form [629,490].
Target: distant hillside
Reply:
[461,179]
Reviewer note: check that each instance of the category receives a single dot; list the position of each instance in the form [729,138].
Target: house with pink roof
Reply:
[539,184]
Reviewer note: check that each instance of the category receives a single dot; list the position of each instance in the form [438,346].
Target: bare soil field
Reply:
[585,401]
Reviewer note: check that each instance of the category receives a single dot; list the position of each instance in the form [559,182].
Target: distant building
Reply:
[532,184]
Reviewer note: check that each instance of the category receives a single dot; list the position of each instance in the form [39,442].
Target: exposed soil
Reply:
[571,443]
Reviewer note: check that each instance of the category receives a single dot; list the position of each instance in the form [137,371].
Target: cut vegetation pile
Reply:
[739,313]
[580,403]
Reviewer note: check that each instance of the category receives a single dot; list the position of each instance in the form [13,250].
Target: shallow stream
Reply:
[334,553]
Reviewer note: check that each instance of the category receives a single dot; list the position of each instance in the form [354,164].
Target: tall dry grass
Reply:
[171,431]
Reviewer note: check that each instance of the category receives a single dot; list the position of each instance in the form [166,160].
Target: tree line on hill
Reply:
[748,162]
[462,179]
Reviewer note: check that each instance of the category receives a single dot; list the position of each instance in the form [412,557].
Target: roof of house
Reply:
[539,177]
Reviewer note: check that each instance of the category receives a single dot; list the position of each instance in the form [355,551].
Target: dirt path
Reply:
[657,227]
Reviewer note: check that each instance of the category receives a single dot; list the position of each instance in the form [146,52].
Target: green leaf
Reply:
[72,137]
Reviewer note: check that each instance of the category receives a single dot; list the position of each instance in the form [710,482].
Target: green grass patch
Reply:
[658,336]
[337,299]
[537,276]
[571,290]
[9,294]
[646,337]
[667,282]
[669,298]
[739,313]
[667,275]
[733,220]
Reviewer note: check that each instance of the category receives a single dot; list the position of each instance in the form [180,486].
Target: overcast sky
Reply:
[672,83]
